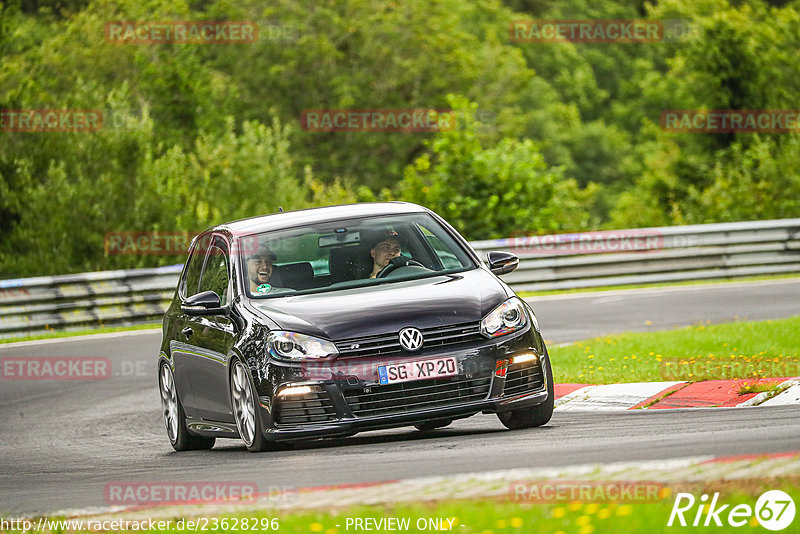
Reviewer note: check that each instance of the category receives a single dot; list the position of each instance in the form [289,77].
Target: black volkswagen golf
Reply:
[330,321]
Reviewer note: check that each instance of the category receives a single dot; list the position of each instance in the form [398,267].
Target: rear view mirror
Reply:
[340,236]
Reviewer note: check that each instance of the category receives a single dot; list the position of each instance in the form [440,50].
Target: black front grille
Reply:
[408,397]
[314,407]
[390,343]
[523,378]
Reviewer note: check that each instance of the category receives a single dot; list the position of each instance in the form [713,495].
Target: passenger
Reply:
[259,270]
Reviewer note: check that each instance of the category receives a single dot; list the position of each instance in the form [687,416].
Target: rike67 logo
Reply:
[774,510]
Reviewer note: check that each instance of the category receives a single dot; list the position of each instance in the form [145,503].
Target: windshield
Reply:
[349,253]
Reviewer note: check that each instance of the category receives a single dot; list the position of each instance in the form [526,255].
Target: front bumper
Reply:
[346,397]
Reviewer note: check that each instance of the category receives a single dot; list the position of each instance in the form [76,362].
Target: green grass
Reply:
[492,517]
[87,331]
[755,387]
[753,349]
[526,294]
[506,516]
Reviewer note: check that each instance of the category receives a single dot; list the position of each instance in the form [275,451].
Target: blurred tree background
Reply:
[550,137]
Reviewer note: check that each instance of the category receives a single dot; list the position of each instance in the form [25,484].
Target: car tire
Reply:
[245,408]
[427,426]
[535,415]
[174,417]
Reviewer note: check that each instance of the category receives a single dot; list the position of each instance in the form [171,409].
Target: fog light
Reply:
[524,358]
[294,390]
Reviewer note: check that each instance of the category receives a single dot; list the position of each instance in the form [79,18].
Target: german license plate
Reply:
[421,370]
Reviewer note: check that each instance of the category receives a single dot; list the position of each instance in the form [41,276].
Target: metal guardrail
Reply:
[564,261]
[666,254]
[70,302]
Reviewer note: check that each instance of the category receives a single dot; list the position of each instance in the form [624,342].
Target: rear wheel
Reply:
[243,400]
[534,415]
[175,418]
[427,426]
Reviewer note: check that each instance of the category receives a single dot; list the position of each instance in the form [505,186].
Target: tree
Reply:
[492,192]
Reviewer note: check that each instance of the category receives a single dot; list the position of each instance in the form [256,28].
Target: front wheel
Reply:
[245,406]
[175,418]
[535,415]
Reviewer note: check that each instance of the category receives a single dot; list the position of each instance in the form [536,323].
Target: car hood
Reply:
[366,311]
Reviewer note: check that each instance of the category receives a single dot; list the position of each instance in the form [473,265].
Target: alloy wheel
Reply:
[243,404]
[169,402]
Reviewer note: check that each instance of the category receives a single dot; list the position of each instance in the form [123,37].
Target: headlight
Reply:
[293,346]
[509,317]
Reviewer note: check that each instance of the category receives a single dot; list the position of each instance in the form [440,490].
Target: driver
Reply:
[386,245]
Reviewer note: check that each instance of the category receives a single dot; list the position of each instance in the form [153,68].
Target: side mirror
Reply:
[205,303]
[502,262]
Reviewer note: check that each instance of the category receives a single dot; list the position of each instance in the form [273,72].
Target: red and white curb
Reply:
[790,395]
[665,395]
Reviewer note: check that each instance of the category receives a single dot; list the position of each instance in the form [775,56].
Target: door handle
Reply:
[187,332]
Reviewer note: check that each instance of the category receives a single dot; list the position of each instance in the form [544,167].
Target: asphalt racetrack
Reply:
[63,441]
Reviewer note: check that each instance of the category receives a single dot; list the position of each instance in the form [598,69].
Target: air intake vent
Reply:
[314,407]
[390,344]
[409,397]
[523,378]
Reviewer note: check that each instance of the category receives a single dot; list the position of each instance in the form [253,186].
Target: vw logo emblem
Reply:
[410,339]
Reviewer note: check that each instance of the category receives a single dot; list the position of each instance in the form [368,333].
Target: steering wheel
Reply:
[394,263]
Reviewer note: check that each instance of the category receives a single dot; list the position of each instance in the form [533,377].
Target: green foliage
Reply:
[65,214]
[226,176]
[737,57]
[760,181]
[568,139]
[370,54]
[492,192]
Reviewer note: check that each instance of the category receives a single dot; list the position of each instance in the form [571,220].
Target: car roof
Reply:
[289,219]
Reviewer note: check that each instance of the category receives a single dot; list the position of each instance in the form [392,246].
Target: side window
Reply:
[215,274]
[448,259]
[191,280]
